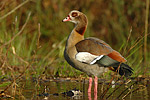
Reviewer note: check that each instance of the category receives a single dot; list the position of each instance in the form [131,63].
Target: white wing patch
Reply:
[85,57]
[96,59]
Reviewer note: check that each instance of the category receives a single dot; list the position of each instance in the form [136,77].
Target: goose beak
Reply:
[66,19]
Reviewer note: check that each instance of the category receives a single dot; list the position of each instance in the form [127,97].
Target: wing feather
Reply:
[98,47]
[93,46]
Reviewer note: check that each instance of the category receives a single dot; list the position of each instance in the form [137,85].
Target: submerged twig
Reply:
[132,91]
[127,93]
[126,90]
[114,90]
[104,93]
[16,78]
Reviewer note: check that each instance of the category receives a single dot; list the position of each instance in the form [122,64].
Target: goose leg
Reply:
[95,84]
[90,84]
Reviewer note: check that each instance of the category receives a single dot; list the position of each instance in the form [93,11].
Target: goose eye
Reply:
[74,14]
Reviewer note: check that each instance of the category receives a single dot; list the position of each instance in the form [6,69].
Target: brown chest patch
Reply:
[81,30]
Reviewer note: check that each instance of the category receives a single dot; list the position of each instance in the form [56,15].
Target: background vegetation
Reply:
[32,35]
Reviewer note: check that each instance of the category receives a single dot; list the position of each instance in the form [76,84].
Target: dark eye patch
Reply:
[74,14]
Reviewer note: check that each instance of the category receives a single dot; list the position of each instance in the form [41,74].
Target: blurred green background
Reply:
[38,49]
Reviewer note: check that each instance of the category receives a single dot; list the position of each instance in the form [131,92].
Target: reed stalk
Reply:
[146,32]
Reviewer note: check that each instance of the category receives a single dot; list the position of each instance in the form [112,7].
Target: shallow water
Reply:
[53,89]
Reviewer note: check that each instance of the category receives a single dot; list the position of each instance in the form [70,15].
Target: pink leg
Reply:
[95,84]
[95,96]
[89,96]
[90,84]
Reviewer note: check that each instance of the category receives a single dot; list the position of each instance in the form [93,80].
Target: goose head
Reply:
[76,17]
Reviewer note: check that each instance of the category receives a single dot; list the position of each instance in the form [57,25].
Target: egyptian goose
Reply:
[91,55]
